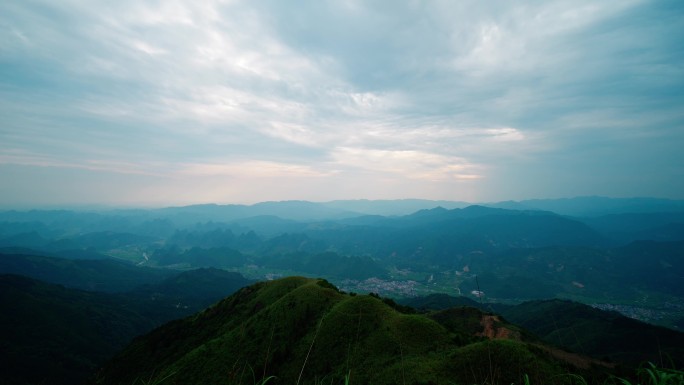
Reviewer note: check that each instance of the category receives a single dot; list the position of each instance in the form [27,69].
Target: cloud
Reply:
[406,163]
[417,93]
[253,169]
[28,159]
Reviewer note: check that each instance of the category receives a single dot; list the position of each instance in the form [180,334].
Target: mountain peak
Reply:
[301,326]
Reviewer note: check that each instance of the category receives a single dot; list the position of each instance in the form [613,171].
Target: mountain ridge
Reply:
[60,335]
[299,325]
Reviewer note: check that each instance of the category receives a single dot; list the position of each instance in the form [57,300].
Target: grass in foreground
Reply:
[650,375]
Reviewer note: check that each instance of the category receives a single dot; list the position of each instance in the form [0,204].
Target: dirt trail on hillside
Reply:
[492,328]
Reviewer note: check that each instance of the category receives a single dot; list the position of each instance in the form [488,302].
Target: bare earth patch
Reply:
[493,329]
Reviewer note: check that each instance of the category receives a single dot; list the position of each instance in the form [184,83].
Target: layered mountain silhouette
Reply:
[118,273]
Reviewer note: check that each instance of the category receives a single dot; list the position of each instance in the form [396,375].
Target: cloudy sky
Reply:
[134,102]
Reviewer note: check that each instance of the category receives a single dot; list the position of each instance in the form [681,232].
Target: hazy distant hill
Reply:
[57,335]
[595,206]
[41,228]
[626,272]
[517,254]
[218,257]
[193,289]
[80,245]
[293,210]
[397,207]
[625,228]
[96,275]
[64,254]
[298,325]
[69,223]
[439,236]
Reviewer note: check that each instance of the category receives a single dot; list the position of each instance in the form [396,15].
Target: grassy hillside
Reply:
[298,327]
[575,327]
[598,333]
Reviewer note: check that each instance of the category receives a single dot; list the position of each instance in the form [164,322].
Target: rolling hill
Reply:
[52,334]
[306,331]
[58,335]
[106,275]
[602,334]
[575,327]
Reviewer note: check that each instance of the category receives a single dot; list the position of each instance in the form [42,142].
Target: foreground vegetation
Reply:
[511,255]
[651,375]
[60,336]
[305,331]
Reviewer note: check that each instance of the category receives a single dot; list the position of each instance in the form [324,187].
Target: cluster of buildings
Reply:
[381,287]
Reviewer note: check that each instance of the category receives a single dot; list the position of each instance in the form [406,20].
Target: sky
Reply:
[172,102]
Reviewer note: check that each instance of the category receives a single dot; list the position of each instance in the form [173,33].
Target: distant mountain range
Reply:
[516,254]
[593,206]
[316,211]
[116,274]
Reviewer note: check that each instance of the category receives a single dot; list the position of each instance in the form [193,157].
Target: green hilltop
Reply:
[306,331]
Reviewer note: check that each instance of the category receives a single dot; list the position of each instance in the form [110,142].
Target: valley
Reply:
[144,268]
[341,192]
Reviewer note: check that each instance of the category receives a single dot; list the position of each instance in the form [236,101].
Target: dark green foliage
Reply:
[516,255]
[504,362]
[656,265]
[88,254]
[517,284]
[438,301]
[107,240]
[462,319]
[198,257]
[189,291]
[400,308]
[581,272]
[204,236]
[435,236]
[97,275]
[298,325]
[324,283]
[290,243]
[598,333]
[652,374]
[626,227]
[51,334]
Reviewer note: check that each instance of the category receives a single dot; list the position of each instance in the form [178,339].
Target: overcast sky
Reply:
[134,102]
